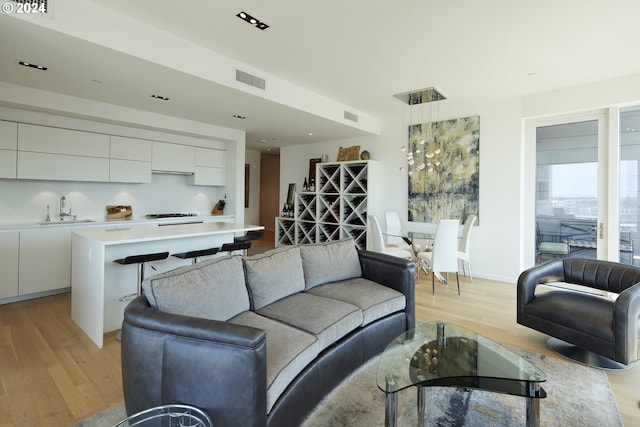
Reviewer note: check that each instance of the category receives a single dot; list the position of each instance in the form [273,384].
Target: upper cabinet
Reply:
[209,167]
[167,157]
[41,152]
[130,160]
[61,154]
[8,149]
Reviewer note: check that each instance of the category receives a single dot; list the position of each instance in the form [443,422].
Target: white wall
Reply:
[500,151]
[498,243]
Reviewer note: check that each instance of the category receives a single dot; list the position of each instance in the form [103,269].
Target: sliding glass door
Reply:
[568,167]
[582,186]
[629,173]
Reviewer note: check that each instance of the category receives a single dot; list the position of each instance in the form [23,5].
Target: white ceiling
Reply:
[357,53]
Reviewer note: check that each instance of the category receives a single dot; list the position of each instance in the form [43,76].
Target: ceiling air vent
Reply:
[250,79]
[351,116]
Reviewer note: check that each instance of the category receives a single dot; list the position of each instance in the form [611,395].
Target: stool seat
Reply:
[236,246]
[196,254]
[250,235]
[137,259]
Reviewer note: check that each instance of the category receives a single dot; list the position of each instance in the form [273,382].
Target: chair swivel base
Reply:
[584,357]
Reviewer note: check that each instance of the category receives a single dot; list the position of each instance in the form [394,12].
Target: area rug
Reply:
[576,396]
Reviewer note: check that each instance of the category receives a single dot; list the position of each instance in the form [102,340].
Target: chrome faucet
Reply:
[63,207]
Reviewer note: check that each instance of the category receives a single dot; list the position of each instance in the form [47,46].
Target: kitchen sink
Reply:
[67,221]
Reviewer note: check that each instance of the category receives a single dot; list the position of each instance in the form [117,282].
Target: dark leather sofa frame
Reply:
[168,358]
[599,325]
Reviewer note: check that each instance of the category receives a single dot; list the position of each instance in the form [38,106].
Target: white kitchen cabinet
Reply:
[130,149]
[167,157]
[209,167]
[62,167]
[9,243]
[130,160]
[45,139]
[8,147]
[45,260]
[131,171]
[49,153]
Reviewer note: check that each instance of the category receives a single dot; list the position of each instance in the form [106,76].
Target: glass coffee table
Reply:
[168,416]
[439,354]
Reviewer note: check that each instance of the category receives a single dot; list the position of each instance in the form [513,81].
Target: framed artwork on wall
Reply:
[444,170]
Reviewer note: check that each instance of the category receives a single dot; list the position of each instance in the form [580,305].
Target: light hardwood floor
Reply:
[51,374]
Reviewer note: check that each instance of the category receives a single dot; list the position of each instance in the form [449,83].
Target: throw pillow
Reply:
[213,289]
[273,275]
[330,262]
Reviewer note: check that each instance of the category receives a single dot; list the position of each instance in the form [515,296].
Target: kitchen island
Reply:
[98,283]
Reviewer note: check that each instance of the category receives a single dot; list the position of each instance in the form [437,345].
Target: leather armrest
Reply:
[394,272]
[550,271]
[625,318]
[139,314]
[216,366]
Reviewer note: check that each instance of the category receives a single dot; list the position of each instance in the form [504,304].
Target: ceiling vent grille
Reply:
[250,79]
[351,116]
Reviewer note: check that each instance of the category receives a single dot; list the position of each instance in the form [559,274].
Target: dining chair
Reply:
[377,241]
[394,233]
[444,256]
[464,243]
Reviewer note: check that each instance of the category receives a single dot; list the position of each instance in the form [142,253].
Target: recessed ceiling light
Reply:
[30,65]
[164,98]
[310,134]
[253,21]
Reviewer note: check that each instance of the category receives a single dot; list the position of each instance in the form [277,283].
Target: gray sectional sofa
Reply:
[260,340]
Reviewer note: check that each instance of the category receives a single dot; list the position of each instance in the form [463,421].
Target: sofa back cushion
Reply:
[213,289]
[330,262]
[273,275]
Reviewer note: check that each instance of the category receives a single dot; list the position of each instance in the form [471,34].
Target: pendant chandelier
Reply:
[423,152]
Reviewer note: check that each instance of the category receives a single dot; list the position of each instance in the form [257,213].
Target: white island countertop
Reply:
[119,236]
[102,288]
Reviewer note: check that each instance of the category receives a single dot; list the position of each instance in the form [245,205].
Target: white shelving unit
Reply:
[336,210]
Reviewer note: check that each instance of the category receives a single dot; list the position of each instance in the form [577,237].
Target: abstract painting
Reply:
[444,162]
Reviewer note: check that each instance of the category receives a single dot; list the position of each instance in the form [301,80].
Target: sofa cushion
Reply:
[376,301]
[273,275]
[289,351]
[330,262]
[327,319]
[212,289]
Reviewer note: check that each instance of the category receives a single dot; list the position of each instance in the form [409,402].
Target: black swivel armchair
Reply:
[597,325]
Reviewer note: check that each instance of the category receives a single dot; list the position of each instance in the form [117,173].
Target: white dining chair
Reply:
[444,256]
[464,243]
[377,240]
[394,233]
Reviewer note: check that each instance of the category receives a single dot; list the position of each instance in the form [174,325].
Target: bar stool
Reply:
[140,259]
[194,255]
[236,246]
[250,235]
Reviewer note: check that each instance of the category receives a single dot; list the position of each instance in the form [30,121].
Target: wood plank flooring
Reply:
[51,374]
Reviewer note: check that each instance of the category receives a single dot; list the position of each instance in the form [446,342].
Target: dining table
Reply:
[423,232]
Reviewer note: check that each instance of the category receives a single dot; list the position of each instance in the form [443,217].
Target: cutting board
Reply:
[119,212]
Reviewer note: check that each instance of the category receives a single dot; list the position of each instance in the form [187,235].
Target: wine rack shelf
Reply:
[336,210]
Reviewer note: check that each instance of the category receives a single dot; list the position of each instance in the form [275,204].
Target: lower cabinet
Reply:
[45,260]
[9,243]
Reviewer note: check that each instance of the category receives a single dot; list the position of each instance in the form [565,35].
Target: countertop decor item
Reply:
[218,209]
[365,155]
[119,212]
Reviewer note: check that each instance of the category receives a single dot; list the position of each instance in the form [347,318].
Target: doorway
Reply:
[583,182]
